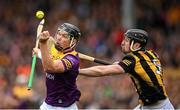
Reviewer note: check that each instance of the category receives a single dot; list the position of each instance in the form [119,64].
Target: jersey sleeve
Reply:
[70,62]
[127,63]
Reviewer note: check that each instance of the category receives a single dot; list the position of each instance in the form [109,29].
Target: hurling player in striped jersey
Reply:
[144,68]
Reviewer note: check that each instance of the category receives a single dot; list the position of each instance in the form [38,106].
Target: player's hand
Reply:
[35,51]
[44,36]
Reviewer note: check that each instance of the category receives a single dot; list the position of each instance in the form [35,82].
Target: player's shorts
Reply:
[45,106]
[162,104]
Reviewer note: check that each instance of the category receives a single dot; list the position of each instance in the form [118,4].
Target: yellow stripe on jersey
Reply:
[152,54]
[141,72]
[159,76]
[156,61]
[153,67]
[150,69]
[136,82]
[67,63]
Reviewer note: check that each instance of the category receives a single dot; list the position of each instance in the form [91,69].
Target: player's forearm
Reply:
[50,42]
[96,71]
[89,72]
[46,57]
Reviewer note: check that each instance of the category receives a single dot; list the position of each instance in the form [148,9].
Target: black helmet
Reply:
[138,35]
[72,30]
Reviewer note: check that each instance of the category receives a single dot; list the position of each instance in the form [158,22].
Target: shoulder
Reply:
[71,60]
[72,57]
[128,63]
[129,56]
[154,53]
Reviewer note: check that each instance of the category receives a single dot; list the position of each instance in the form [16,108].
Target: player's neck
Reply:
[68,50]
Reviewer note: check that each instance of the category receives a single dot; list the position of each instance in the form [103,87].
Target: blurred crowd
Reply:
[101,24]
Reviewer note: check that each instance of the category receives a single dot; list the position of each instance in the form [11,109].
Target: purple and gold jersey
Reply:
[61,87]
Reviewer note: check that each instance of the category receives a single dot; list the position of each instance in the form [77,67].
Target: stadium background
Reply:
[102,23]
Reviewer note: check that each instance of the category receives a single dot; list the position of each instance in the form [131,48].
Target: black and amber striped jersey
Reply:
[144,68]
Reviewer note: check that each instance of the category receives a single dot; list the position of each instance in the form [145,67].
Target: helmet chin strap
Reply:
[71,43]
[131,47]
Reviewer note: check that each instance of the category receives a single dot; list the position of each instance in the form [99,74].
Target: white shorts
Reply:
[162,104]
[45,106]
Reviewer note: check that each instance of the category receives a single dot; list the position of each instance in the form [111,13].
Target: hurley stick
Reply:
[93,59]
[31,77]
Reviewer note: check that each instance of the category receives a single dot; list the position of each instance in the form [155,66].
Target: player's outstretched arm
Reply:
[98,71]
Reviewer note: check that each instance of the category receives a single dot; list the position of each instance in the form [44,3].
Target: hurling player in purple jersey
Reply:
[61,63]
